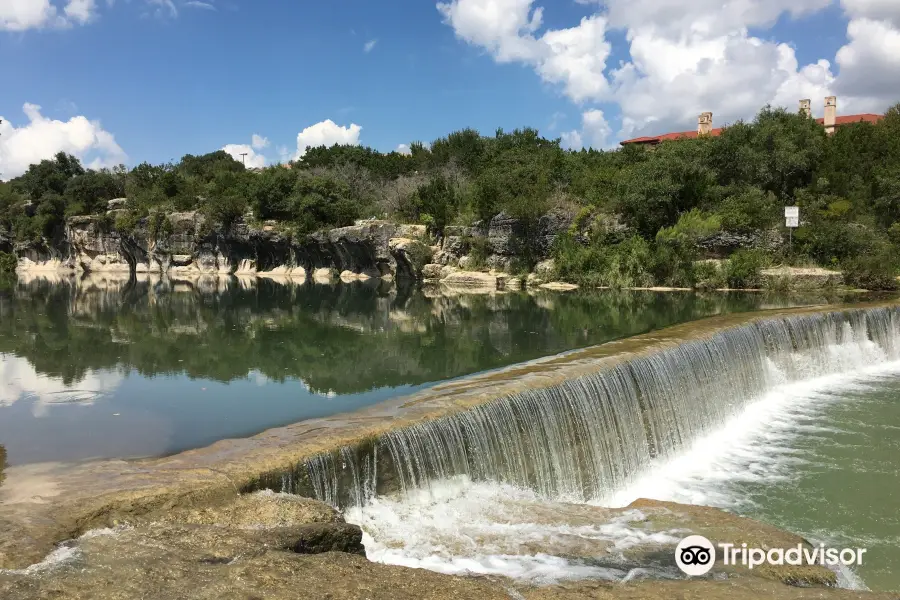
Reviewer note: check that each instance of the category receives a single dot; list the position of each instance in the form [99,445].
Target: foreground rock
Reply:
[278,547]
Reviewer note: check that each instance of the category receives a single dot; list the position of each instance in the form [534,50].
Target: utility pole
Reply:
[244,159]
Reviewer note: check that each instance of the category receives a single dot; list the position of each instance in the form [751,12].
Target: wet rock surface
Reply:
[327,537]
[177,558]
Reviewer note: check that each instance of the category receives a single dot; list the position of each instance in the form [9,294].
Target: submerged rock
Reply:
[258,511]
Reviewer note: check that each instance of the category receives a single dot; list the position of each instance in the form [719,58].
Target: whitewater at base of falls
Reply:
[459,526]
[684,425]
[462,527]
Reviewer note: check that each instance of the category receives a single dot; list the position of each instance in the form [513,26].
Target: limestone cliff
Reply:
[185,244]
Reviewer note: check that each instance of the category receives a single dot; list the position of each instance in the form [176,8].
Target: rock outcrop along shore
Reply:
[184,245]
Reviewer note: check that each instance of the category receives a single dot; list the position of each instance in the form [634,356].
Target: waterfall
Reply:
[582,439]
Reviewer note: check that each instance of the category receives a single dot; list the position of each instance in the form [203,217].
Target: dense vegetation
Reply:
[640,217]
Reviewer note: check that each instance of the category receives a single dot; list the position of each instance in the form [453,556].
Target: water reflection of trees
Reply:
[346,338]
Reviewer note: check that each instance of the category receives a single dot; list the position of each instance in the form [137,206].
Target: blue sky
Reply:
[169,78]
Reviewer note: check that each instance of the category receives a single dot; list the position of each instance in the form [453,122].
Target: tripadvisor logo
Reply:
[696,555]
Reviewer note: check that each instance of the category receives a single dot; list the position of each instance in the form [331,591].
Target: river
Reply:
[114,369]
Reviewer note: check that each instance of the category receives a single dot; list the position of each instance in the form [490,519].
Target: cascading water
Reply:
[588,437]
[605,439]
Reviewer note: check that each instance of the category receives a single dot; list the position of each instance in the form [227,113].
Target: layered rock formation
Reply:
[500,242]
[185,244]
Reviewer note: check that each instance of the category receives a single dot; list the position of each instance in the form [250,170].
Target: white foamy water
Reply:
[461,527]
[64,554]
[753,446]
[457,526]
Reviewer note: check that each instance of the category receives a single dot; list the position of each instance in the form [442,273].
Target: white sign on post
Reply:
[792,216]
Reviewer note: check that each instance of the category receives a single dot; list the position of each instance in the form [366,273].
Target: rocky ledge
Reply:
[274,546]
[185,245]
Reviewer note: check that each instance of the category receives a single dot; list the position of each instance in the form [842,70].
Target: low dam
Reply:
[584,438]
[602,438]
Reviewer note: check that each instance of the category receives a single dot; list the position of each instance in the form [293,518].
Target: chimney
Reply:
[704,123]
[806,108]
[830,114]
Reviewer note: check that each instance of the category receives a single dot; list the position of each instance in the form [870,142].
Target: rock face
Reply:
[185,244]
[411,256]
[502,241]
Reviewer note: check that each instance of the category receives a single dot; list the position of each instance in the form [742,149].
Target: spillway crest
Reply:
[586,437]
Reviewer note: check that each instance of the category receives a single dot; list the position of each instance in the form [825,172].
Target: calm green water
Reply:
[112,369]
[837,474]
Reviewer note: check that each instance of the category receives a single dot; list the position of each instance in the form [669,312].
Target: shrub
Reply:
[673,264]
[226,210]
[744,269]
[708,275]
[160,226]
[432,204]
[690,227]
[7,263]
[479,250]
[871,271]
[617,266]
[751,209]
[127,222]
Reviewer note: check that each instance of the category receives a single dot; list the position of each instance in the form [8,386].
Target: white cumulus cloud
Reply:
[252,160]
[881,10]
[572,140]
[870,62]
[42,138]
[21,15]
[404,149]
[595,132]
[327,133]
[259,142]
[574,58]
[686,57]
[369,46]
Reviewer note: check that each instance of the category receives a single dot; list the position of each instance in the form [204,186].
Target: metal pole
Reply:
[244,159]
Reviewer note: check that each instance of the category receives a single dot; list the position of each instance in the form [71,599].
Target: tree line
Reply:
[640,216]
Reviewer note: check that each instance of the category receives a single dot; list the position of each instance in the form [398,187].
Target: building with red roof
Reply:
[704,124]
